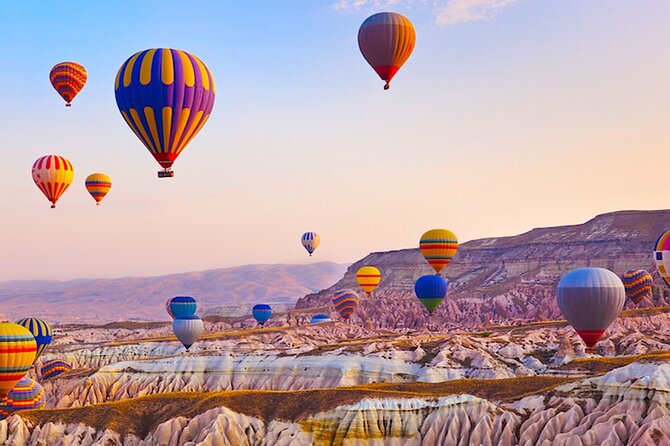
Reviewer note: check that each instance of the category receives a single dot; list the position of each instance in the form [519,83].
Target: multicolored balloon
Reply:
[52,174]
[53,368]
[182,306]
[368,277]
[165,96]
[40,330]
[345,302]
[310,241]
[320,319]
[638,284]
[187,329]
[386,40]
[68,78]
[261,313]
[590,299]
[662,256]
[98,185]
[27,394]
[431,290]
[438,247]
[18,349]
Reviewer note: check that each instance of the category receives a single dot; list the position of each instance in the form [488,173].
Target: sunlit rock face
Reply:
[627,406]
[507,278]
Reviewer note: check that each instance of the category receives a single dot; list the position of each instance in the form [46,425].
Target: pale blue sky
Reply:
[509,115]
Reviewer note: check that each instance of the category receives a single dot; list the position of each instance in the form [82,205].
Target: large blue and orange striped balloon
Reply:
[40,330]
[386,40]
[261,312]
[27,394]
[345,302]
[165,96]
[638,284]
[17,354]
[68,78]
[438,247]
[53,368]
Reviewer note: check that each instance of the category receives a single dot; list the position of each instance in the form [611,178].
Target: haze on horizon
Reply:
[509,115]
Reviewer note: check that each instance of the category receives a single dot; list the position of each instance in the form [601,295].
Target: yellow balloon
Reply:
[438,246]
[98,185]
[18,350]
[368,278]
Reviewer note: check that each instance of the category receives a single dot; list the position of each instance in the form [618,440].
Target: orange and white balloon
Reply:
[53,174]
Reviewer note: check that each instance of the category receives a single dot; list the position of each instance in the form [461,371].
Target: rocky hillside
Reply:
[506,278]
[143,298]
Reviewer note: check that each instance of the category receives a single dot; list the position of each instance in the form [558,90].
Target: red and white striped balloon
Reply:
[53,174]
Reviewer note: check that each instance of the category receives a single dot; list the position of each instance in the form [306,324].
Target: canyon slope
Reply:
[504,279]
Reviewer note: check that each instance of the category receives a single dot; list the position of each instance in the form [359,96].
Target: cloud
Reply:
[448,12]
[459,11]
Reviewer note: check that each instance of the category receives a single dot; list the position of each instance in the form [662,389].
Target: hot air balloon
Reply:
[638,284]
[181,306]
[345,302]
[167,307]
[386,40]
[27,394]
[53,174]
[320,318]
[40,330]
[438,246]
[590,299]
[98,185]
[431,290]
[187,329]
[68,78]
[368,278]
[165,96]
[17,353]
[310,240]
[662,256]
[53,368]
[261,313]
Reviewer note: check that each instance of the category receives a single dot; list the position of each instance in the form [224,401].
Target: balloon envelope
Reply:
[182,306]
[165,96]
[53,368]
[52,174]
[590,299]
[27,394]
[662,256]
[438,247]
[320,318]
[368,277]
[261,313]
[386,40]
[40,330]
[187,329]
[310,241]
[345,302]
[98,185]
[68,78]
[17,353]
[430,290]
[638,284]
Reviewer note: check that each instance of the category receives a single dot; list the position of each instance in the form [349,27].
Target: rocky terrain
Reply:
[507,278]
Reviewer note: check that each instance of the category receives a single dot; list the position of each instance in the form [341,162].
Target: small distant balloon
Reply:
[182,306]
[345,302]
[438,247]
[98,185]
[53,368]
[590,299]
[68,79]
[40,330]
[52,174]
[638,284]
[310,240]
[662,256]
[261,313]
[320,318]
[431,290]
[386,40]
[187,329]
[27,394]
[368,277]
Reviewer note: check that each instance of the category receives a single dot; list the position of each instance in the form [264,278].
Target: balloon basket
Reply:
[165,173]
[68,105]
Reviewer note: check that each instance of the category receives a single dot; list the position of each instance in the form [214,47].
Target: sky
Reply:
[509,115]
